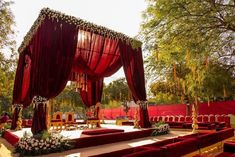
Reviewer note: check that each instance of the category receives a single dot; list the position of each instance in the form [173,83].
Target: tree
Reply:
[68,100]
[7,65]
[6,24]
[116,91]
[183,37]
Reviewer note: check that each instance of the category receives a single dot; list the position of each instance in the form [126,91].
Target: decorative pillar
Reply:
[136,122]
[194,119]
[17,117]
[144,116]
[40,116]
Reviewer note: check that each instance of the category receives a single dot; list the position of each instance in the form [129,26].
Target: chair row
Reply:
[217,121]
[177,147]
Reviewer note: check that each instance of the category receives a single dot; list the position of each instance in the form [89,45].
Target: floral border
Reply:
[81,24]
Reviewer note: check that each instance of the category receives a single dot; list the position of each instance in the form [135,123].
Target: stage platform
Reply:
[105,148]
[73,134]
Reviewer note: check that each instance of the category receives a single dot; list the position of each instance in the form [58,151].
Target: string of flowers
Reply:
[161,128]
[80,24]
[33,145]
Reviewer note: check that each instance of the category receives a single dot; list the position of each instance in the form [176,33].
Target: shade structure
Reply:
[59,48]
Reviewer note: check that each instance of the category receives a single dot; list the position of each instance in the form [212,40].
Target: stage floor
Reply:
[71,134]
[84,152]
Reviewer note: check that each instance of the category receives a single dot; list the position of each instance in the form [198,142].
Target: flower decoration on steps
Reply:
[44,143]
[161,128]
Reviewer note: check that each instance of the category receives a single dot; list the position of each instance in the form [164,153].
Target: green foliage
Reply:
[68,100]
[115,93]
[159,123]
[6,23]
[191,46]
[160,128]
[113,104]
[7,65]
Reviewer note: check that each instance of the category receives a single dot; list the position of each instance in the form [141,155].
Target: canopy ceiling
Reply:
[80,24]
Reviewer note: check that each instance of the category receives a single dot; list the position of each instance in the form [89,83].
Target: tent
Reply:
[59,48]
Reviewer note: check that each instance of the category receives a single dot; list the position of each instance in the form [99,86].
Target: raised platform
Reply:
[105,148]
[102,131]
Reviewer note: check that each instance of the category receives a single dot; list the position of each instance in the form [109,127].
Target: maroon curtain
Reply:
[40,115]
[21,84]
[17,91]
[26,78]
[93,93]
[96,56]
[52,49]
[134,71]
[15,118]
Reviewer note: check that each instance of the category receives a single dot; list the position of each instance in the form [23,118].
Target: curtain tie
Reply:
[143,104]
[39,100]
[18,106]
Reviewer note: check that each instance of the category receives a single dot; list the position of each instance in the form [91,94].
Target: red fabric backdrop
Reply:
[226,107]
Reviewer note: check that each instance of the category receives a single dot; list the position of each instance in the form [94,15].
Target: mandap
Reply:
[60,48]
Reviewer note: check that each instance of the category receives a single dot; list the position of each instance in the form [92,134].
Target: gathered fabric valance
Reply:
[80,24]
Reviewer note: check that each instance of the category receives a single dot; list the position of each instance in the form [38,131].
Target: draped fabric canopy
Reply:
[59,47]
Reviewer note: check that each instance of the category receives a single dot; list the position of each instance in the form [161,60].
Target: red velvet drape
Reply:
[96,56]
[17,91]
[52,49]
[15,117]
[21,84]
[93,93]
[26,78]
[40,118]
[132,62]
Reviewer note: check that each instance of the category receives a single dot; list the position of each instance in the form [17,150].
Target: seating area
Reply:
[189,145]
[205,122]
[228,149]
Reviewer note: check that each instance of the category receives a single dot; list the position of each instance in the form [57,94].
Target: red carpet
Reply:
[101,131]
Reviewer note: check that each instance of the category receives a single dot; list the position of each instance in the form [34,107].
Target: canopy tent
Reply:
[59,48]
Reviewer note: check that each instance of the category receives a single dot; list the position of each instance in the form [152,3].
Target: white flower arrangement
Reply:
[161,128]
[38,99]
[80,24]
[32,146]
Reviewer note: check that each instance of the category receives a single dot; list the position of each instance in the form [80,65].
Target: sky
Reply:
[120,15]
